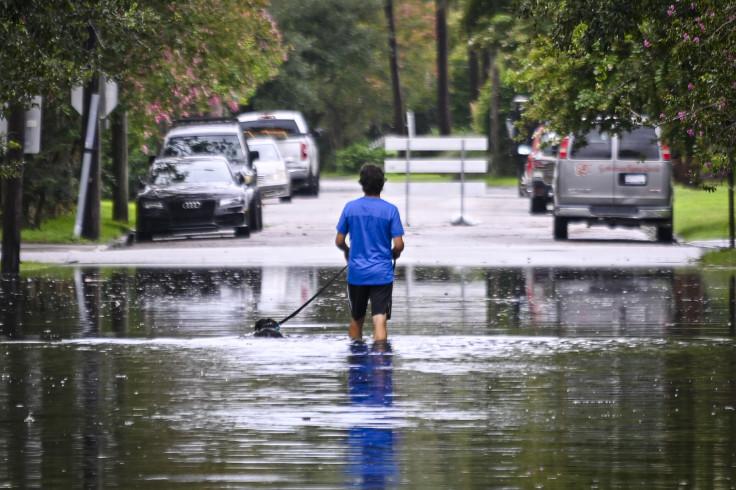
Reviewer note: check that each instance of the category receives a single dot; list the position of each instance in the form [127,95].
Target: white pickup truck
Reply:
[295,141]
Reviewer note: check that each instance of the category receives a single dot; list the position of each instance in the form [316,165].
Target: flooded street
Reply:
[520,377]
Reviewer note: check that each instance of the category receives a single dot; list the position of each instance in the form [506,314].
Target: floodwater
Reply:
[493,378]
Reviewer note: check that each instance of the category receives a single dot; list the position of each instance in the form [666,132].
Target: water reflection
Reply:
[83,302]
[371,443]
[514,378]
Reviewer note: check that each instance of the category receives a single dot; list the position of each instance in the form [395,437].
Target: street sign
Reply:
[108,98]
[32,141]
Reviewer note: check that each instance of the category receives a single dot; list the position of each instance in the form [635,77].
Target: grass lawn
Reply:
[61,229]
[701,215]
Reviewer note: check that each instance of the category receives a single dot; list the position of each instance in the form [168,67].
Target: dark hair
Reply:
[371,179]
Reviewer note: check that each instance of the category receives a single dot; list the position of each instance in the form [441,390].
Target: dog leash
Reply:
[312,298]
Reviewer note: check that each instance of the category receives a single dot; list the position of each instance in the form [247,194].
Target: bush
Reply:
[350,159]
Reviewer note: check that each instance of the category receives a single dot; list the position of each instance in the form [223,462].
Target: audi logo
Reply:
[191,205]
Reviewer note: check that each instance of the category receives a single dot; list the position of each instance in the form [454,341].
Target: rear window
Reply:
[228,145]
[548,144]
[266,126]
[640,144]
[597,146]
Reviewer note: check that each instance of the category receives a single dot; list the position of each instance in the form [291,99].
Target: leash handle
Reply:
[313,297]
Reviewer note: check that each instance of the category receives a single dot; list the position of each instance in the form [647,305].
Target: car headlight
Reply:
[227,202]
[153,205]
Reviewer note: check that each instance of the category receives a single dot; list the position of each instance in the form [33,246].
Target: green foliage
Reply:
[350,159]
[336,72]
[43,48]
[203,57]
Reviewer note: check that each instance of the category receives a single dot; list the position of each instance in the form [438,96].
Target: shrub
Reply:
[350,159]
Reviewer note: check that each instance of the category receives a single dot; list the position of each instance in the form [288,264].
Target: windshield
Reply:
[168,173]
[266,152]
[225,144]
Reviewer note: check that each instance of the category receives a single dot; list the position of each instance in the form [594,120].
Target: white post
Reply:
[410,134]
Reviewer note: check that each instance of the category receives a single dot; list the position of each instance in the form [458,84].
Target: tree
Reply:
[444,121]
[398,105]
[205,57]
[42,53]
[335,73]
[672,64]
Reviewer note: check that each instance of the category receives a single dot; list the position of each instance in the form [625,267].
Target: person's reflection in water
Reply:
[372,443]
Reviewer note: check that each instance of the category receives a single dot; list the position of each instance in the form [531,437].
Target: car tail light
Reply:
[304,151]
[564,144]
[665,152]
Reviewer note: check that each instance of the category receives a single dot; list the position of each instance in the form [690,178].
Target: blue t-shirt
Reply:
[371,223]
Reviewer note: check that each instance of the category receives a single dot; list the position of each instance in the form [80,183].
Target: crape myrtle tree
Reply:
[671,63]
[43,53]
[204,58]
[701,101]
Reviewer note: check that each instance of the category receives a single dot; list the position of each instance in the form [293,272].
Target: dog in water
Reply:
[267,327]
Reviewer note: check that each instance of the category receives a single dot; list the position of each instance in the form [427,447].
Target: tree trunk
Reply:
[13,193]
[120,165]
[731,226]
[398,119]
[443,77]
[495,123]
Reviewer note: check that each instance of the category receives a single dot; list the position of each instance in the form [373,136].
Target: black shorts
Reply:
[380,297]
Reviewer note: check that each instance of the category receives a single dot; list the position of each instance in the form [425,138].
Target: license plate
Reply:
[635,179]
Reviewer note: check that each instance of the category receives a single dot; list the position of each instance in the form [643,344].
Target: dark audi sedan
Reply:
[191,195]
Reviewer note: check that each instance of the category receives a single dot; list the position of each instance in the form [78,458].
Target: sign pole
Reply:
[89,147]
[410,134]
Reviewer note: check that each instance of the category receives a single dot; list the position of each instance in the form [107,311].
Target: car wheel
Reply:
[255,213]
[560,230]
[242,231]
[315,186]
[538,205]
[664,234]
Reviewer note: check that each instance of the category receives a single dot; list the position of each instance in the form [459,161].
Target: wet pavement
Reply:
[493,377]
[512,372]
[302,233]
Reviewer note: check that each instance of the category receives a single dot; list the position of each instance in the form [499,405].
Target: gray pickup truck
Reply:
[613,180]
[295,141]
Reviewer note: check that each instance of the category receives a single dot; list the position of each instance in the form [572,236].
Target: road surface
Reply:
[502,234]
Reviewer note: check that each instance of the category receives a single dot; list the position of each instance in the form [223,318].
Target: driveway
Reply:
[501,232]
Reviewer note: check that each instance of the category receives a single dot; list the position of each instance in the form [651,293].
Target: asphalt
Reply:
[495,230]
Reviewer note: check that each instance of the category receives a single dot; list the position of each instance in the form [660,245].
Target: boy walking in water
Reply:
[376,238]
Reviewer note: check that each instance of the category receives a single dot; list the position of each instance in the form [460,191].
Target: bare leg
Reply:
[356,328]
[379,327]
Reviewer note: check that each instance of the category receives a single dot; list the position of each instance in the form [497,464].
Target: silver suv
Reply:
[614,180]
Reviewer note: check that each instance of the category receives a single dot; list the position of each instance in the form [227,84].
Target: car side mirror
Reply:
[240,178]
[524,150]
[255,155]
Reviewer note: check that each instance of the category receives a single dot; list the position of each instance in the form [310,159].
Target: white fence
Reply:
[437,165]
